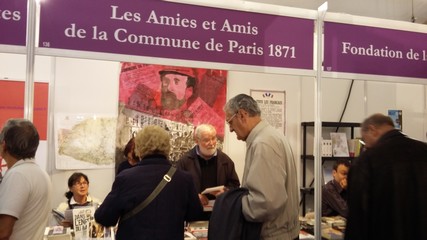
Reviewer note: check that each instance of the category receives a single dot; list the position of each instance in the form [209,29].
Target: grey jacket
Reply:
[270,175]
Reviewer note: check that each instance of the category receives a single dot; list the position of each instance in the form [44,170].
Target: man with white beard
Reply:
[209,166]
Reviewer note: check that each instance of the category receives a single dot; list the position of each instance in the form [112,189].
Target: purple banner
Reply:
[371,50]
[178,31]
[13,20]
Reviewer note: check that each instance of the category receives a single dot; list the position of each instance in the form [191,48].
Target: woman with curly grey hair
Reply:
[164,216]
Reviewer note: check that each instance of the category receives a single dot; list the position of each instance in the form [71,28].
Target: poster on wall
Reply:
[84,141]
[397,117]
[273,107]
[177,98]
[12,106]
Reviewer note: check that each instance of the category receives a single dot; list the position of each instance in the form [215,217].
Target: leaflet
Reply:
[213,189]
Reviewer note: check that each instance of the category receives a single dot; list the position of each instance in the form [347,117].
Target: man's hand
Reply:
[217,193]
[343,183]
[66,223]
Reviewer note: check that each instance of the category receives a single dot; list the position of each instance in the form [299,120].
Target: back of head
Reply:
[21,138]
[245,102]
[152,139]
[130,146]
[377,120]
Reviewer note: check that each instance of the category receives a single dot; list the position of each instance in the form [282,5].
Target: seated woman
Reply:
[78,195]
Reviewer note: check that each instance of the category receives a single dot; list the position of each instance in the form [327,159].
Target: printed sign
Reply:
[13,20]
[371,50]
[273,107]
[178,31]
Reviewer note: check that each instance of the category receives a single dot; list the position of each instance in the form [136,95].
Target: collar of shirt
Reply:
[73,202]
[21,162]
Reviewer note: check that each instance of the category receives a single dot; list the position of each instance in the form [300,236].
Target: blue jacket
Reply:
[164,217]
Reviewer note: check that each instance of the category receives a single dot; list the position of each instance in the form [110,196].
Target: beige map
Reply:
[90,140]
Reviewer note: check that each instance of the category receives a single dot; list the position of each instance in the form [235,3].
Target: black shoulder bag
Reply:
[166,178]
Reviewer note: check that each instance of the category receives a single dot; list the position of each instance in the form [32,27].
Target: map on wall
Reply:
[84,141]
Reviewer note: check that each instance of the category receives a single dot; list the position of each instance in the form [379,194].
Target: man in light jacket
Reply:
[269,174]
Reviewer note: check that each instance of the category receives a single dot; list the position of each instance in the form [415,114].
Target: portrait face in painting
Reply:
[175,90]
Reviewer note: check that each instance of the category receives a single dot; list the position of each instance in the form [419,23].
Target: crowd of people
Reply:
[381,193]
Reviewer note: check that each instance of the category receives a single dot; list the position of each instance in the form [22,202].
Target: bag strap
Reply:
[166,178]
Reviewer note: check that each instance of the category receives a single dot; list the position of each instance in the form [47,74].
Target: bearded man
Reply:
[209,166]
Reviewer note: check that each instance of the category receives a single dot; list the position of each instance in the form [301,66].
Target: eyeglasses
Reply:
[81,183]
[230,119]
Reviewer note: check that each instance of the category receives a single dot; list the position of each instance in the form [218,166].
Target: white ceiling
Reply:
[401,10]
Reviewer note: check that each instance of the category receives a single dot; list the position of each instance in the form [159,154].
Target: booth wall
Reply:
[91,86]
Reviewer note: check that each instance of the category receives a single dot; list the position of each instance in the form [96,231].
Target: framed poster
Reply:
[273,107]
[396,116]
[176,98]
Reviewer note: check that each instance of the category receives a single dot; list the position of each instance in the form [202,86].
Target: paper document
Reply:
[213,189]
[209,207]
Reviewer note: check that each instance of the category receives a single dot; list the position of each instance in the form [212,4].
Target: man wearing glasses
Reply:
[270,174]
[209,166]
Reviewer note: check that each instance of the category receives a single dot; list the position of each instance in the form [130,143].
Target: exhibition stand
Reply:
[242,36]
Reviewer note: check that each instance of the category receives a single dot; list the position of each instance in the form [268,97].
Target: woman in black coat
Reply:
[164,216]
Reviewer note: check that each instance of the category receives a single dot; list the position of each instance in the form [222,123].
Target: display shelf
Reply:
[305,156]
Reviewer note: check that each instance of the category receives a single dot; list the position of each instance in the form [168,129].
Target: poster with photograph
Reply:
[339,144]
[396,116]
[178,98]
[273,107]
[84,141]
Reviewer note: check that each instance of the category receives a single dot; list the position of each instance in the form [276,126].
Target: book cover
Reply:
[339,145]
[354,147]
[86,228]
[396,116]
[326,148]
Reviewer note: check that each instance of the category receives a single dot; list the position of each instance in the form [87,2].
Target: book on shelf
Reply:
[339,144]
[326,148]
[354,147]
